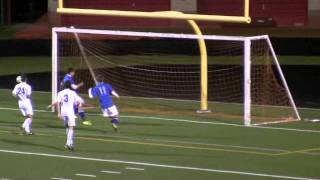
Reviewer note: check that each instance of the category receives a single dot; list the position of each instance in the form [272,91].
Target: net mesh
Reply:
[161,76]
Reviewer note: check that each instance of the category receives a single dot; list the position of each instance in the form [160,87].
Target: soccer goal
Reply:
[159,73]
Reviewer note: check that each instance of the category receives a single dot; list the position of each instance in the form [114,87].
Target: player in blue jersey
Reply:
[69,77]
[104,92]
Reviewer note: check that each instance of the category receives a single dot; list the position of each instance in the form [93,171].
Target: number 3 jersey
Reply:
[68,99]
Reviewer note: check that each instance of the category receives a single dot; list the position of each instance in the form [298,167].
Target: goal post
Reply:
[159,73]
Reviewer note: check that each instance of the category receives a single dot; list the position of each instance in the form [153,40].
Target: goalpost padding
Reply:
[257,76]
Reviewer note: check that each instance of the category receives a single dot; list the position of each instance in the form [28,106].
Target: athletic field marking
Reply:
[5,179]
[139,142]
[156,165]
[178,100]
[176,146]
[299,151]
[86,175]
[111,172]
[200,143]
[134,168]
[163,145]
[192,121]
[60,178]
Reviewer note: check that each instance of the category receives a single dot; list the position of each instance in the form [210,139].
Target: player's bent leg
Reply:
[27,112]
[114,115]
[82,115]
[28,126]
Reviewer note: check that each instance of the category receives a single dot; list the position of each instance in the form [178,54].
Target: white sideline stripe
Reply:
[191,121]
[86,175]
[133,168]
[154,165]
[60,178]
[5,179]
[111,172]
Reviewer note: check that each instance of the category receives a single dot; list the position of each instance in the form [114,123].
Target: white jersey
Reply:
[22,91]
[68,99]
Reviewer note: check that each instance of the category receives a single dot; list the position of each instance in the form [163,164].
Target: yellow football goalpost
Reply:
[190,18]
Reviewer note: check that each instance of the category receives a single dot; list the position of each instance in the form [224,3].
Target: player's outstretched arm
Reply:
[59,110]
[90,93]
[77,86]
[114,93]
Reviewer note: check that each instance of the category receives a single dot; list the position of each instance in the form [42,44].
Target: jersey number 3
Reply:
[66,98]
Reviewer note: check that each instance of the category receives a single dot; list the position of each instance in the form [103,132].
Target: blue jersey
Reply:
[104,92]
[69,78]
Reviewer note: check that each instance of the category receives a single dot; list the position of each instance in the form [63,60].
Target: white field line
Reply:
[191,121]
[187,142]
[111,172]
[5,179]
[154,165]
[181,100]
[54,178]
[86,175]
[134,168]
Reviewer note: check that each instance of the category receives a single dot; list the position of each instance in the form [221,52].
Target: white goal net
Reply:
[159,73]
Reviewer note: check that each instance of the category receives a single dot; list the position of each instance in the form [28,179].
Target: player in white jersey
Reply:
[66,101]
[23,92]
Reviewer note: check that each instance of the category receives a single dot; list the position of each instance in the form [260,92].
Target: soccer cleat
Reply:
[70,148]
[29,133]
[115,127]
[87,123]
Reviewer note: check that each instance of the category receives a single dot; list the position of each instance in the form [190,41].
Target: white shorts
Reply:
[69,121]
[110,112]
[26,108]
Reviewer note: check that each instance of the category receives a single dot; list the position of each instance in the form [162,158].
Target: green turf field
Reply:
[156,146]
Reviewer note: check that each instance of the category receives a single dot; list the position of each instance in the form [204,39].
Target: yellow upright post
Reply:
[247,10]
[60,4]
[203,63]
[204,67]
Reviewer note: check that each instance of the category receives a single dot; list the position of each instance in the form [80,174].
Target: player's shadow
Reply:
[25,143]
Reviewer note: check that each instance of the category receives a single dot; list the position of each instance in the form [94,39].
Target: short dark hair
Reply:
[99,78]
[24,78]
[71,70]
[67,85]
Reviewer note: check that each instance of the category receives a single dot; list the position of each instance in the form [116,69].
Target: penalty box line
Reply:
[192,121]
[156,165]
[262,152]
[176,146]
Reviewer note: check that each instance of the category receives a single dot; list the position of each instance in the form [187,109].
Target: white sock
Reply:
[30,124]
[70,137]
[27,125]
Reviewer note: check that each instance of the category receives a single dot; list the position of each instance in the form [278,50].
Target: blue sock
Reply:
[115,121]
[82,115]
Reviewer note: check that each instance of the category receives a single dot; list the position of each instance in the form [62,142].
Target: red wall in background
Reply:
[284,12]
[132,5]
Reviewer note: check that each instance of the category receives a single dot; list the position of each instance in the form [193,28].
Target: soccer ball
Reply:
[19,79]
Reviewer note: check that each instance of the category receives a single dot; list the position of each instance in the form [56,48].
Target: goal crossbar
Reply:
[157,35]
